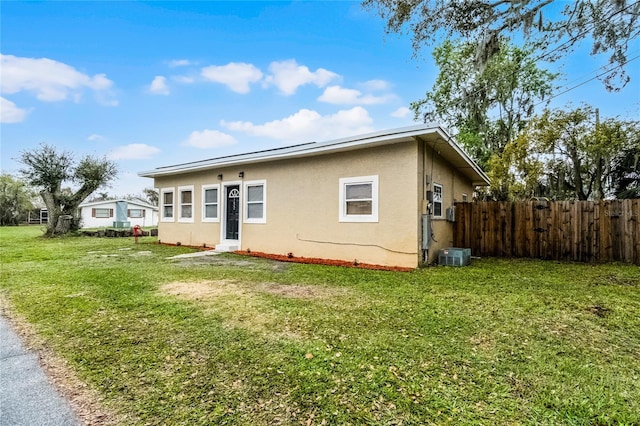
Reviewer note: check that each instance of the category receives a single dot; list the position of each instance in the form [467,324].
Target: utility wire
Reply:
[592,78]
[571,40]
[584,32]
[595,70]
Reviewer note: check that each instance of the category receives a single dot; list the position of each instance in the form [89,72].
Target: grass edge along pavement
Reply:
[239,340]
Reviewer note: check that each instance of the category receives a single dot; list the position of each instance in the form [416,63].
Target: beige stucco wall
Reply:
[454,184]
[302,205]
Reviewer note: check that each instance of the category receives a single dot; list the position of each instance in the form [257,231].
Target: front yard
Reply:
[236,340]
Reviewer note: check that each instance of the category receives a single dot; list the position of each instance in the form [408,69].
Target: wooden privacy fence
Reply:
[584,231]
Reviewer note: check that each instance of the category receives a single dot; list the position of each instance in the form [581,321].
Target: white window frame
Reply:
[465,198]
[182,189]
[344,182]
[246,202]
[102,209]
[438,199]
[223,213]
[204,203]
[164,218]
[138,210]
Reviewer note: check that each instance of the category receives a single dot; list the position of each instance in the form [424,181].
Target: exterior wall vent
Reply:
[451,214]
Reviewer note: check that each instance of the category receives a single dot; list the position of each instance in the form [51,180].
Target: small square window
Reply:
[359,199]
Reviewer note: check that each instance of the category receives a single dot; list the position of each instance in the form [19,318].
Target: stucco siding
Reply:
[302,207]
[454,185]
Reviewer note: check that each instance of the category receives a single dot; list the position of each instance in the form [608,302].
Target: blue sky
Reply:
[157,83]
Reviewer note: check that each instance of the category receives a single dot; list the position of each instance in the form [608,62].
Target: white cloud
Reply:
[288,76]
[235,75]
[341,96]
[96,137]
[307,125]
[209,139]
[401,112]
[184,79]
[51,80]
[134,151]
[179,63]
[159,86]
[375,85]
[10,113]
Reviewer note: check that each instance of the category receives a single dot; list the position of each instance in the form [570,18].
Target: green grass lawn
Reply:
[236,340]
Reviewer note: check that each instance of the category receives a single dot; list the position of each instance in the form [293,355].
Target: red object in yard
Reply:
[137,231]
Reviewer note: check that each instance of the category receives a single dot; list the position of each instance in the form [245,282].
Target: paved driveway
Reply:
[26,396]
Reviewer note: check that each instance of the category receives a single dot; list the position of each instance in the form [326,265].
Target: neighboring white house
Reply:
[118,213]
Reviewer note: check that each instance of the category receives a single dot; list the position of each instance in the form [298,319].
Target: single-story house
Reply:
[118,214]
[384,198]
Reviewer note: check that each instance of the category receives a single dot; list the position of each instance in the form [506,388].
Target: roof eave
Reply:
[475,174]
[337,145]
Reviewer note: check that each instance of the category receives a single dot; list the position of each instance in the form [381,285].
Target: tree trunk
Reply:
[53,212]
[63,225]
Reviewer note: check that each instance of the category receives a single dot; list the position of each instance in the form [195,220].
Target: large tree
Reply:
[15,200]
[556,26]
[47,169]
[487,108]
[625,171]
[151,195]
[582,157]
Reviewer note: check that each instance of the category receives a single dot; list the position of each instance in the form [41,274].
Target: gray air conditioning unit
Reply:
[454,256]
[451,214]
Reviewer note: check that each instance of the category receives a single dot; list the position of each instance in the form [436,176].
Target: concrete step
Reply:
[222,248]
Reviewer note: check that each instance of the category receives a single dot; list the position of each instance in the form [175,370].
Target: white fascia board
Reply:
[472,164]
[136,203]
[310,149]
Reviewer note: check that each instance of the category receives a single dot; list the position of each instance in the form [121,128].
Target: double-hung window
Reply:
[135,213]
[255,201]
[437,200]
[102,213]
[167,199]
[210,203]
[185,198]
[358,199]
